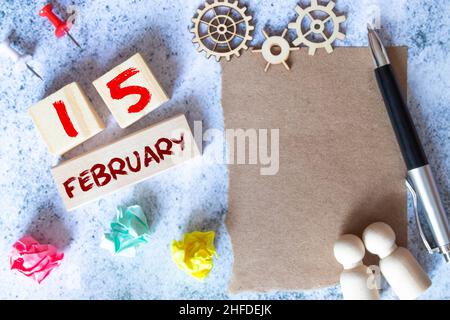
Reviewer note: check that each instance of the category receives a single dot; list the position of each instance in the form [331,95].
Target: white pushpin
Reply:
[7,51]
[355,279]
[397,264]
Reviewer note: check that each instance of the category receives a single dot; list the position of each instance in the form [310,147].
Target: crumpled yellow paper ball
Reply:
[194,254]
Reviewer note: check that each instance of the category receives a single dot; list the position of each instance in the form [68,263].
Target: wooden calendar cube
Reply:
[125,162]
[130,91]
[65,119]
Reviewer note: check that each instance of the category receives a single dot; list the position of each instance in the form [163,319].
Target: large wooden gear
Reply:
[222,29]
[317,27]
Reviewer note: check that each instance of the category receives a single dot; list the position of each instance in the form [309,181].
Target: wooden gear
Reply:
[272,56]
[317,27]
[222,29]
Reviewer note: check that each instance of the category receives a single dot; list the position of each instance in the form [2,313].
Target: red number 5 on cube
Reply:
[130,91]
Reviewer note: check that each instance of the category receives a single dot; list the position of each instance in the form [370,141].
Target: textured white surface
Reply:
[191,196]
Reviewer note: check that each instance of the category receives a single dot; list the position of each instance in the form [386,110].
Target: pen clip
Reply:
[416,213]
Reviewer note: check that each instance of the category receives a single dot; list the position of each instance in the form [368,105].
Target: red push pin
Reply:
[61,27]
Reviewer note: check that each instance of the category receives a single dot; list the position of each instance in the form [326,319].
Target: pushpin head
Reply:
[7,51]
[61,27]
[379,239]
[48,8]
[349,250]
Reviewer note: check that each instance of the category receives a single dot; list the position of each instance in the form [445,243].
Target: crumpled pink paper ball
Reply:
[33,259]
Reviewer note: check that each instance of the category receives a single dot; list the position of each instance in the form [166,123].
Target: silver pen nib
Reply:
[446,256]
[379,54]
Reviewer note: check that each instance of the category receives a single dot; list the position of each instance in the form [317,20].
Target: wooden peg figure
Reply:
[355,282]
[397,264]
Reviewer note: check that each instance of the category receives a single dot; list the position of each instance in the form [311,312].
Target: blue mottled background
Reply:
[192,196]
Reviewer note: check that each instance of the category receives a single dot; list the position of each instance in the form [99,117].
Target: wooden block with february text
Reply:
[65,119]
[125,162]
[130,91]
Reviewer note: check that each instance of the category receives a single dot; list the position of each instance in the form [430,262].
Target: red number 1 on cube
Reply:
[65,119]
[63,116]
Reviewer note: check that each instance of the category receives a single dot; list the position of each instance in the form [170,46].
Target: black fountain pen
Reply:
[420,180]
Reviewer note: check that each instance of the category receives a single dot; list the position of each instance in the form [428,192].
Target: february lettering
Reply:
[101,174]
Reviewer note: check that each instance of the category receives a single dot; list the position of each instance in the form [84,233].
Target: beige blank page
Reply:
[340,165]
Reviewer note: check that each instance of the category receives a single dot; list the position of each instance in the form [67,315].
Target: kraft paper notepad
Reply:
[340,165]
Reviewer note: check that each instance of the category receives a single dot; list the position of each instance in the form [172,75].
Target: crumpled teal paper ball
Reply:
[128,230]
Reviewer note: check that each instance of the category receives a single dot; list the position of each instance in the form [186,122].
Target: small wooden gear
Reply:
[222,29]
[317,26]
[275,50]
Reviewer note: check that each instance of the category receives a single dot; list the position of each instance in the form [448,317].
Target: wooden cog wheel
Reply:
[317,26]
[222,29]
[275,50]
